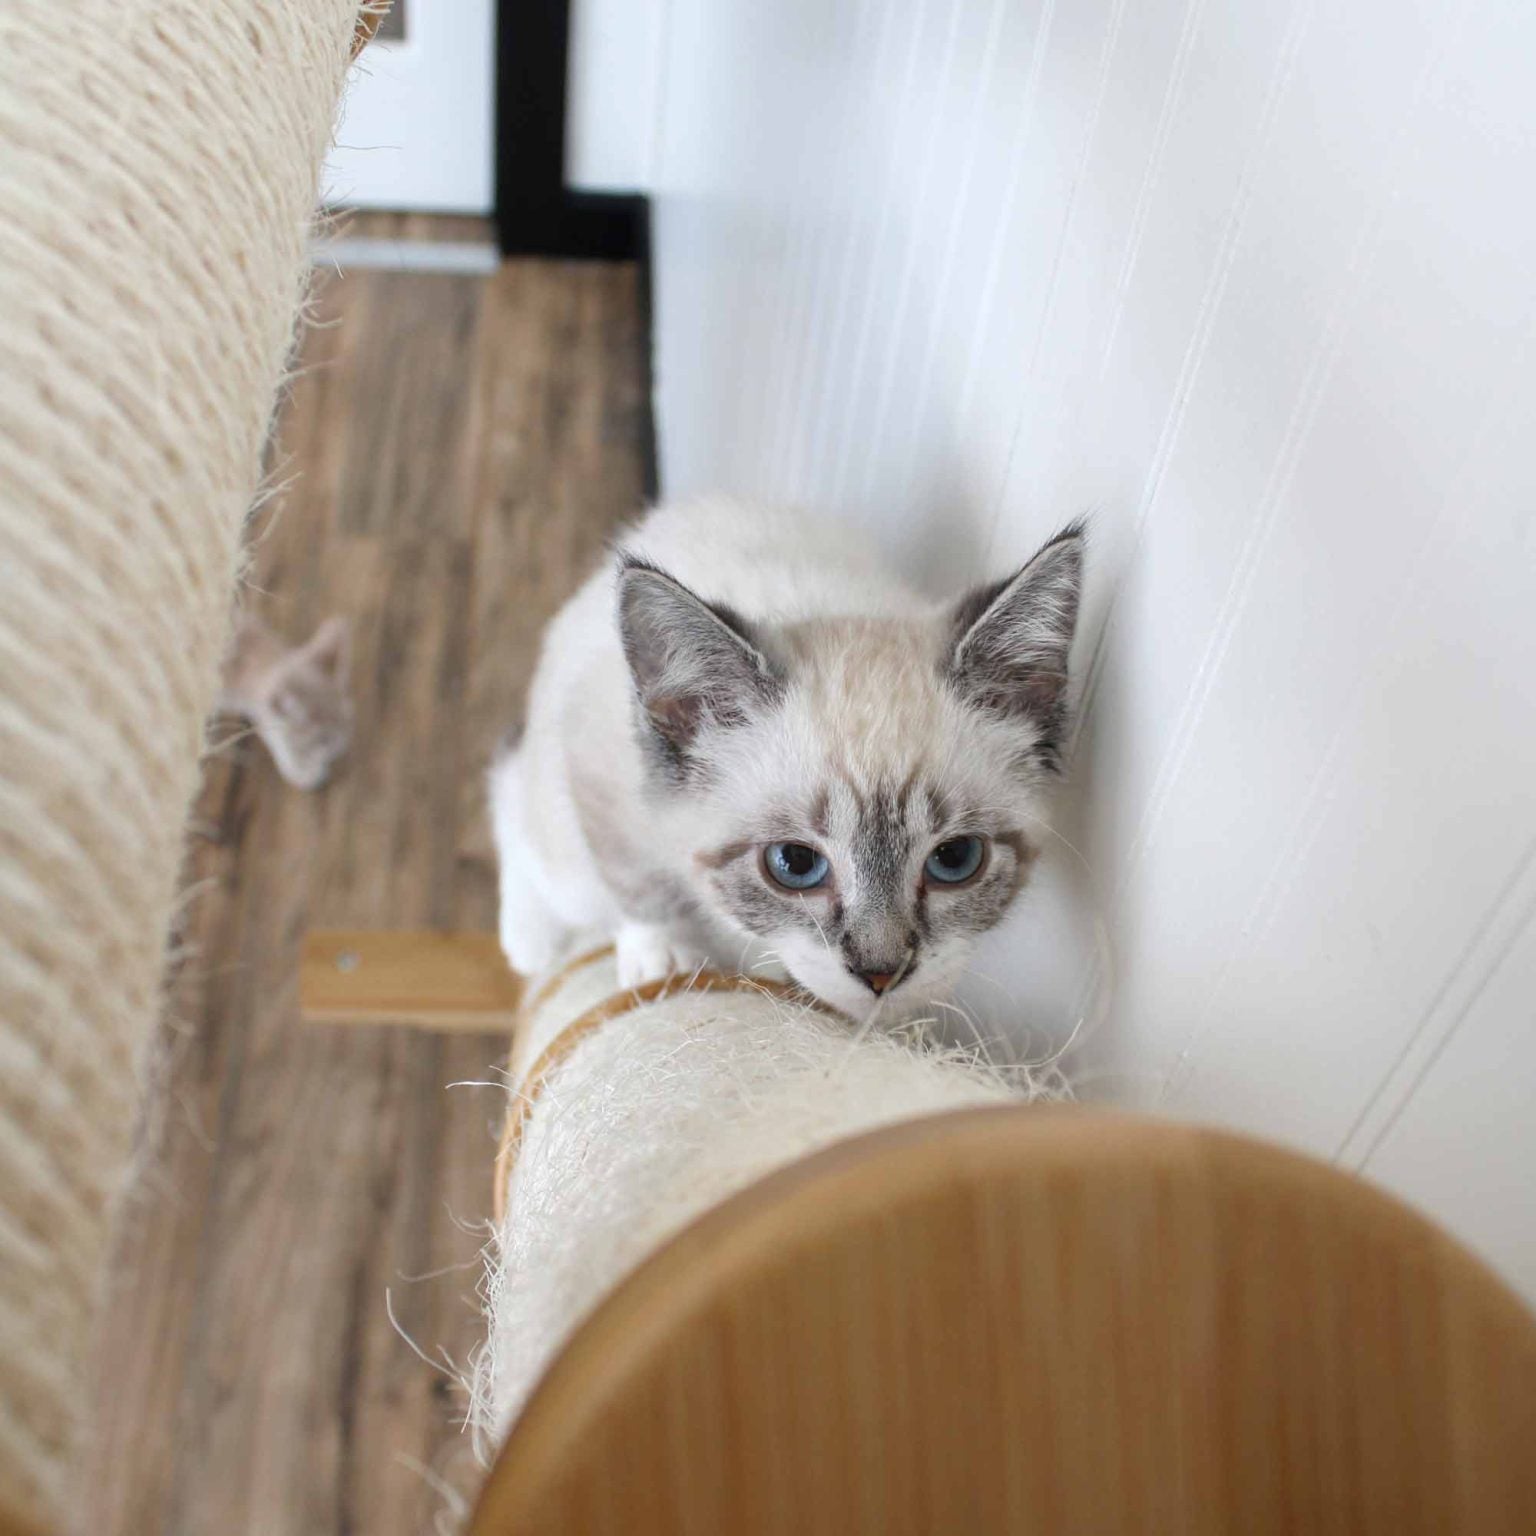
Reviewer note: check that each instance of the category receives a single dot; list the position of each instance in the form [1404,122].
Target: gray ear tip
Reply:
[1059,563]
[633,566]
[1071,543]
[637,581]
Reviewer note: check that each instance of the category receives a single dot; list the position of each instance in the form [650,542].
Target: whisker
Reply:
[869,1023]
[821,932]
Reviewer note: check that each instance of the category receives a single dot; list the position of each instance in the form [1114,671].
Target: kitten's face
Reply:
[858,795]
[872,893]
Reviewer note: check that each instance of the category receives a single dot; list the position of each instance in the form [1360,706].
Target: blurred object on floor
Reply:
[294,697]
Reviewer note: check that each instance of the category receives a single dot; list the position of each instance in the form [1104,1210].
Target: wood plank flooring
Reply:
[460,447]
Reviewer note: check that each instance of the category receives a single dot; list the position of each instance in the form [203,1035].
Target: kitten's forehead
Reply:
[866,709]
[875,733]
[873,684]
[874,807]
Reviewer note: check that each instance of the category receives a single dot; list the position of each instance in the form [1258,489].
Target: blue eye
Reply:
[795,866]
[955,861]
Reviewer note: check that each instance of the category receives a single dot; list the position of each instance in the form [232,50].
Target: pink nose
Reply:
[877,981]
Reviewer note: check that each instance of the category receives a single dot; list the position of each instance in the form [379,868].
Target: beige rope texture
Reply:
[158,163]
[526,1092]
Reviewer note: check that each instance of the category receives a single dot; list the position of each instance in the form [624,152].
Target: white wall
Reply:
[614,93]
[416,127]
[1255,282]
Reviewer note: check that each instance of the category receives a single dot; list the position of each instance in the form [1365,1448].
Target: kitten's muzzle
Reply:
[882,977]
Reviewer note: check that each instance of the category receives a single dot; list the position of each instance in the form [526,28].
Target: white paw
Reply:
[647,951]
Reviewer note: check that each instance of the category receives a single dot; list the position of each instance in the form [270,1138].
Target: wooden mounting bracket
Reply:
[455,982]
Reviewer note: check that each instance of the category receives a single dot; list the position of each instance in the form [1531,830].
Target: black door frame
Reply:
[536,213]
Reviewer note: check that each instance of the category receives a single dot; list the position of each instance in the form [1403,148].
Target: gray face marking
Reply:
[747,896]
[879,931]
[728,853]
[1024,851]
[737,876]
[818,813]
[936,802]
[973,909]
[876,909]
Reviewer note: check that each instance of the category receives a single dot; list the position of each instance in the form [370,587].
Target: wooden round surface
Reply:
[12,1524]
[1039,1320]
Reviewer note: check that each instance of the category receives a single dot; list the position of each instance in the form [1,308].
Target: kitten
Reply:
[297,700]
[744,733]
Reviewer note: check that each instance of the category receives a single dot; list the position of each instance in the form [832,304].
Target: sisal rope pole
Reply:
[156,185]
[632,1111]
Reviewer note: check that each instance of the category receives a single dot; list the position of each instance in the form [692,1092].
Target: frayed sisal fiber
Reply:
[158,165]
[657,1115]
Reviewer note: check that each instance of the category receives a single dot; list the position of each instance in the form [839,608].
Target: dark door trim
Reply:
[536,213]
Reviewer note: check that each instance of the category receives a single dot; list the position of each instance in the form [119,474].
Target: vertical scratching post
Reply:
[156,184]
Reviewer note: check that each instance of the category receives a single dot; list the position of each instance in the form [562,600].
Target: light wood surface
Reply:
[458,449]
[1045,1321]
[443,981]
[12,1524]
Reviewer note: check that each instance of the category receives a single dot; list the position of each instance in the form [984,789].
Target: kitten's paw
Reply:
[648,951]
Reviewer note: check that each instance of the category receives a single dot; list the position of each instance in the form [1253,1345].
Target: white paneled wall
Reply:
[1255,283]
[614,94]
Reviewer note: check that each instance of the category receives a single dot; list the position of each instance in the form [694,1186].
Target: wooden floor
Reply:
[462,447]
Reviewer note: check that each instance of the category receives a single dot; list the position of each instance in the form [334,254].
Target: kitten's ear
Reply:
[1009,641]
[329,649]
[694,663]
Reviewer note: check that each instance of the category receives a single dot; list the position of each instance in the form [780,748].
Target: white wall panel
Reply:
[613,99]
[1254,283]
[1452,1126]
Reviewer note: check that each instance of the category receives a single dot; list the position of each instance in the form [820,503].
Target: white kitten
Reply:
[744,731]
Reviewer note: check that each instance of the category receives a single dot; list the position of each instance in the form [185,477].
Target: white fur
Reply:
[532,934]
